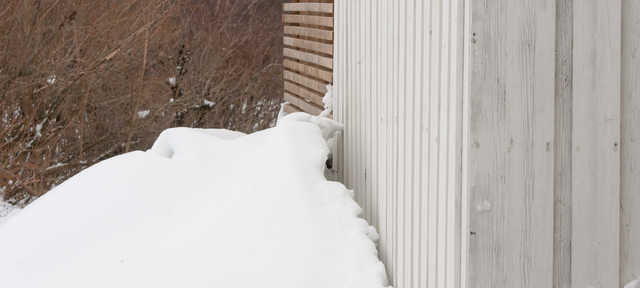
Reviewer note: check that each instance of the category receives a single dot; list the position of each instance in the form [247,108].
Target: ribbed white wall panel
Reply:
[398,78]
[536,112]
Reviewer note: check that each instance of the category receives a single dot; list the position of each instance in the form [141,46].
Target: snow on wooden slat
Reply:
[309,32]
[308,57]
[309,45]
[596,144]
[308,7]
[630,144]
[308,19]
[511,144]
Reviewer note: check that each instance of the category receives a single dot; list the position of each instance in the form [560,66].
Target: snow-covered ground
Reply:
[202,208]
[7,211]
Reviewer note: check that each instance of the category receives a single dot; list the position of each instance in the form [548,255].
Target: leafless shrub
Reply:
[82,81]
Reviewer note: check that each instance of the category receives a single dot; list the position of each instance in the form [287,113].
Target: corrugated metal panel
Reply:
[398,80]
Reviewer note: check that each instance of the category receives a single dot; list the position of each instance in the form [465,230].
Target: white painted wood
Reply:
[596,138]
[511,136]
[630,144]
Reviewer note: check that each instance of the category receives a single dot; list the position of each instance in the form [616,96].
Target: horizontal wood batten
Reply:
[308,19]
[303,93]
[309,32]
[302,104]
[310,45]
[288,108]
[309,7]
[304,81]
[311,58]
[308,70]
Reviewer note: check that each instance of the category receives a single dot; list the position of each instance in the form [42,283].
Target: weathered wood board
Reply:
[308,52]
[630,144]
[563,148]
[595,244]
[511,138]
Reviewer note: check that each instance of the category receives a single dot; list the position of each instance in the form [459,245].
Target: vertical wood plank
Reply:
[511,137]
[596,140]
[563,127]
[530,135]
[630,144]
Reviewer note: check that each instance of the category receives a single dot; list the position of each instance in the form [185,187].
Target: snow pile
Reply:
[328,102]
[202,208]
[142,114]
[209,103]
[7,211]
[633,284]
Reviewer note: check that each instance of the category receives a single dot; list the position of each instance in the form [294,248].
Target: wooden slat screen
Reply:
[308,53]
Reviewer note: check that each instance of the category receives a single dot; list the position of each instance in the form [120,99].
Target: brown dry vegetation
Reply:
[75,74]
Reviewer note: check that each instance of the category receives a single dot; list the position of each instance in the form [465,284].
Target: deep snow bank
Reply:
[202,208]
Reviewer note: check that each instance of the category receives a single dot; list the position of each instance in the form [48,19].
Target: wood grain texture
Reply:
[511,140]
[630,144]
[303,104]
[308,57]
[563,128]
[309,32]
[595,165]
[304,81]
[309,45]
[288,108]
[308,19]
[308,7]
[309,70]
[303,93]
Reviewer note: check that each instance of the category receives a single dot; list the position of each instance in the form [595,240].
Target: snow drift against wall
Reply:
[202,208]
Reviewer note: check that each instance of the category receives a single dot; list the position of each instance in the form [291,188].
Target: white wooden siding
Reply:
[511,143]
[630,144]
[532,105]
[596,139]
[398,79]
